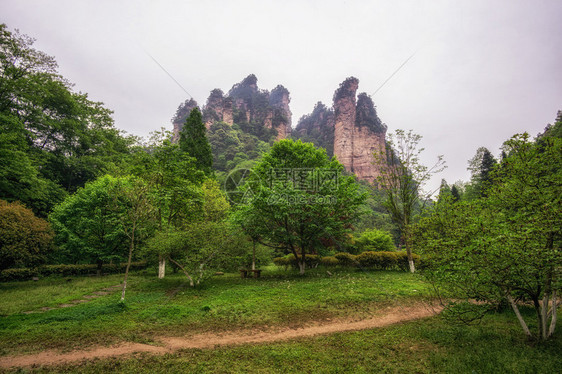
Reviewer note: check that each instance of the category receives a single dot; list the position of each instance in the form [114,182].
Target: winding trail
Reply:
[209,341]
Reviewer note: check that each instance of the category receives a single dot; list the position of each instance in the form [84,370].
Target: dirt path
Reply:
[206,341]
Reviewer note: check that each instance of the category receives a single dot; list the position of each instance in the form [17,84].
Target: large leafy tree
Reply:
[88,227]
[508,244]
[175,183]
[193,140]
[205,243]
[298,201]
[481,166]
[402,179]
[53,139]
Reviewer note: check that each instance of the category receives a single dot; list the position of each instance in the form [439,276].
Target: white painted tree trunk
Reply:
[519,317]
[161,268]
[412,266]
[302,267]
[553,313]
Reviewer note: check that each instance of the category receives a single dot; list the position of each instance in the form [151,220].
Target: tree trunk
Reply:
[519,317]
[131,247]
[184,271]
[544,315]
[553,312]
[410,259]
[161,267]
[99,268]
[254,255]
[302,266]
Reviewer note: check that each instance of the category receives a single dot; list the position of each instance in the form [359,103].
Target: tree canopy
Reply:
[508,244]
[193,140]
[298,201]
[53,140]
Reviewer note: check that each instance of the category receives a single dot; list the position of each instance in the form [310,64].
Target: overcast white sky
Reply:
[482,70]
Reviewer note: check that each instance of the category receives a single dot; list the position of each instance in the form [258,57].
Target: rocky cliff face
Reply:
[217,109]
[181,115]
[256,111]
[279,112]
[351,130]
[345,112]
[318,128]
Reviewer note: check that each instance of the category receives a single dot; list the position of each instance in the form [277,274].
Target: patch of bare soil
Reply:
[209,340]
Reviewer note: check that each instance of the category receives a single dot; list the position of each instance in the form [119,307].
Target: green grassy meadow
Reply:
[156,307]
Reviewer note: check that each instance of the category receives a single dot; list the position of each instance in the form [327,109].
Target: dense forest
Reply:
[233,190]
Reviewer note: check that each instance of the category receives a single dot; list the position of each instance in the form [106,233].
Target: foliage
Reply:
[375,240]
[231,146]
[402,179]
[200,248]
[293,212]
[174,180]
[329,261]
[366,115]
[25,274]
[184,110]
[481,167]
[53,140]
[553,130]
[193,140]
[346,259]
[88,227]
[505,246]
[25,240]
[315,128]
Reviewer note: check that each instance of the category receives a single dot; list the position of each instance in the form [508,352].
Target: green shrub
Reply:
[66,270]
[282,261]
[375,240]
[312,261]
[378,260]
[346,259]
[25,240]
[10,275]
[329,261]
[403,260]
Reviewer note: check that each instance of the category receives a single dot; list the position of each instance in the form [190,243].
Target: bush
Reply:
[25,240]
[282,261]
[346,259]
[312,261]
[329,261]
[263,258]
[10,275]
[403,261]
[375,240]
[66,271]
[378,260]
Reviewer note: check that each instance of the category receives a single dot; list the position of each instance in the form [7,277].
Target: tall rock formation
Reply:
[369,137]
[181,115]
[318,128]
[279,100]
[351,130]
[344,110]
[255,111]
[217,109]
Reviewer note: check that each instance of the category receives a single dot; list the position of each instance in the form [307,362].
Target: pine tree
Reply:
[455,193]
[193,140]
[486,167]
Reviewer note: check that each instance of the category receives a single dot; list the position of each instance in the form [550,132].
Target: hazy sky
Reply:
[482,70]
